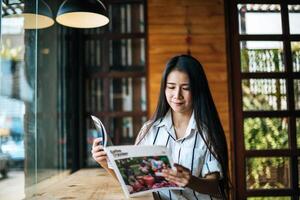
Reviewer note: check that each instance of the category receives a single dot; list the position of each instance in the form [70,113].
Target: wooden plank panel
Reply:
[156,39]
[167,37]
[171,3]
[196,10]
[179,19]
[205,28]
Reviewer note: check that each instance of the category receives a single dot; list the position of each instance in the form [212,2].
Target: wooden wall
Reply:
[166,38]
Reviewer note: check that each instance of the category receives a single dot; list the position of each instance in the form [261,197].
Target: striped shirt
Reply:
[189,151]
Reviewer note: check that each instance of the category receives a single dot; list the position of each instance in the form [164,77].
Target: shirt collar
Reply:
[168,123]
[192,126]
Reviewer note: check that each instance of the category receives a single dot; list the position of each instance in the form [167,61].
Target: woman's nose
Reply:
[177,94]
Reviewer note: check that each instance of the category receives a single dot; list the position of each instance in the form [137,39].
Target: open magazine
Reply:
[139,168]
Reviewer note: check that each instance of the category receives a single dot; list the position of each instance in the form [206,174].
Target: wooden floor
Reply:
[85,184]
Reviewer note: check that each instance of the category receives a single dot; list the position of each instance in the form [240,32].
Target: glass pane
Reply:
[16,102]
[298,131]
[33,100]
[128,94]
[94,95]
[127,18]
[268,173]
[264,94]
[262,56]
[268,16]
[296,56]
[269,198]
[127,55]
[266,133]
[125,129]
[294,16]
[297,93]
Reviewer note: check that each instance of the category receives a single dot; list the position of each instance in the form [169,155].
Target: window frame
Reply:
[238,115]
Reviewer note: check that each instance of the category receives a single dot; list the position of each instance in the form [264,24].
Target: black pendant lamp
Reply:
[82,14]
[37,15]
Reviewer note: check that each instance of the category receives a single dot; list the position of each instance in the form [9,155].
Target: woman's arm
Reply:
[183,177]
[100,156]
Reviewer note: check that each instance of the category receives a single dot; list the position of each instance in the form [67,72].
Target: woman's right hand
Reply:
[98,153]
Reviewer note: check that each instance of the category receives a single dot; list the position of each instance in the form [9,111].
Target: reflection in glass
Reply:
[127,55]
[267,173]
[269,198]
[297,93]
[268,16]
[298,131]
[128,94]
[296,56]
[266,133]
[294,16]
[94,95]
[262,56]
[264,94]
[127,18]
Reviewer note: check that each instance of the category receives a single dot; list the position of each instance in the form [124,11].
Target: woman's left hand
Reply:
[180,175]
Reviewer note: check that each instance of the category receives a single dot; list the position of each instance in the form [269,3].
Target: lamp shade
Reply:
[37,15]
[82,14]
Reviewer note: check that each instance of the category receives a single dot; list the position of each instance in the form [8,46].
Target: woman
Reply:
[186,121]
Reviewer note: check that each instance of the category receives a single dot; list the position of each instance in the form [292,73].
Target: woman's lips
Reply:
[178,103]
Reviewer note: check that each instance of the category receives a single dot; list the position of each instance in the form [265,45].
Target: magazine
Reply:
[106,141]
[139,168]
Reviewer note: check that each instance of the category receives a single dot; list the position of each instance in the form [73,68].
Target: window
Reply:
[35,99]
[264,40]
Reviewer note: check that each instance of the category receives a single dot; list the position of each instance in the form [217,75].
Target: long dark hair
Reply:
[205,112]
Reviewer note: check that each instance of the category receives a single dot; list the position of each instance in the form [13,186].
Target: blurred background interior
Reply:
[55,73]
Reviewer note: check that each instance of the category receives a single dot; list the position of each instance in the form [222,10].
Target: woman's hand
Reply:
[98,153]
[180,175]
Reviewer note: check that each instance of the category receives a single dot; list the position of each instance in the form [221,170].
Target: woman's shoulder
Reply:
[146,128]
[143,131]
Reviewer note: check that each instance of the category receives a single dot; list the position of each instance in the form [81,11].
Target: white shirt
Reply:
[189,151]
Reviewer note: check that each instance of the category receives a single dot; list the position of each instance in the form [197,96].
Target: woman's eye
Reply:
[186,88]
[170,87]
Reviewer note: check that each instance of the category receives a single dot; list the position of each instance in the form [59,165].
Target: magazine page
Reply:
[106,141]
[139,168]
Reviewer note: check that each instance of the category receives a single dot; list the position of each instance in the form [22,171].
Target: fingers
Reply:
[97,148]
[178,179]
[180,175]
[181,168]
[96,142]
[97,151]
[101,155]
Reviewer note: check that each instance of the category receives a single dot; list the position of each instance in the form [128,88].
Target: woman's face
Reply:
[178,92]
